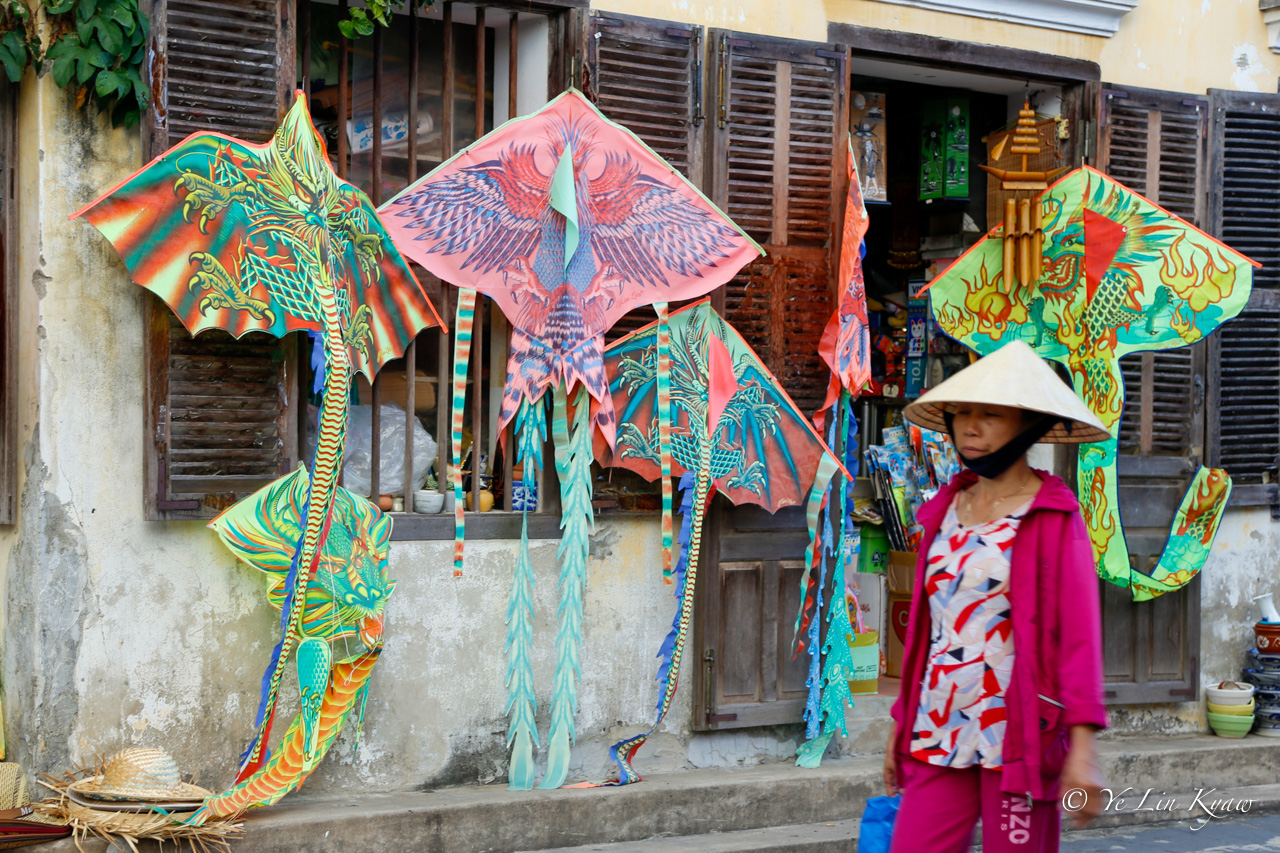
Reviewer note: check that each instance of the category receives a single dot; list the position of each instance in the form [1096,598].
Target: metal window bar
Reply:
[378,95]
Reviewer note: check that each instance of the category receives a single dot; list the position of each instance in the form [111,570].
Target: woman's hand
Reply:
[1080,772]
[891,787]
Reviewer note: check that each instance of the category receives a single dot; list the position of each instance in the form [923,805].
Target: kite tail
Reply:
[812,713]
[573,465]
[461,359]
[624,752]
[324,483]
[664,434]
[827,467]
[522,734]
[838,668]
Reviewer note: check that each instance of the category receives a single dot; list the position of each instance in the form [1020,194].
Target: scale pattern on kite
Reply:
[1121,275]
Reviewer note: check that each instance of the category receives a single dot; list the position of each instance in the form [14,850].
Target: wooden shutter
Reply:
[222,415]
[648,76]
[778,171]
[1244,206]
[747,599]
[1154,143]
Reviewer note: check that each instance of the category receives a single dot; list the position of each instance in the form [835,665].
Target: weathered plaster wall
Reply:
[119,631]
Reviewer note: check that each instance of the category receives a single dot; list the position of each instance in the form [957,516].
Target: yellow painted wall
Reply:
[1177,45]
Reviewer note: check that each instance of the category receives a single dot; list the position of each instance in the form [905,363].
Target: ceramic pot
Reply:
[1267,636]
[1267,680]
[1266,663]
[1230,693]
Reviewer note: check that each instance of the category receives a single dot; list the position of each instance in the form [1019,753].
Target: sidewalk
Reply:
[778,808]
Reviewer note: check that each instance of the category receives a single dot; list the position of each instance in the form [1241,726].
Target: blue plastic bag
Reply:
[876,830]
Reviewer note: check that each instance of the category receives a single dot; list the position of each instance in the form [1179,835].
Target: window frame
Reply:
[565,20]
[8,305]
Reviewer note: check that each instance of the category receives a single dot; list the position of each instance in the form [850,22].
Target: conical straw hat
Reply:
[1012,376]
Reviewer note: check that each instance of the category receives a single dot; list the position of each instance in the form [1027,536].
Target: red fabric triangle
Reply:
[721,384]
[1102,239]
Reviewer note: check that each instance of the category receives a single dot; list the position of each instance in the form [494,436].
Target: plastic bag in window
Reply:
[355,461]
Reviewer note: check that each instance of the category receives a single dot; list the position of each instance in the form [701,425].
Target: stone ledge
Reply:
[695,803]
[1090,17]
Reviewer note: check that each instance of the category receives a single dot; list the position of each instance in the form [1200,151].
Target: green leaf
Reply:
[13,63]
[84,66]
[58,7]
[109,35]
[84,29]
[364,28]
[63,66]
[348,29]
[101,59]
[88,8]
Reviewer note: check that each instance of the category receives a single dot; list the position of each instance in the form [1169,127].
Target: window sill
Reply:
[410,526]
[1255,494]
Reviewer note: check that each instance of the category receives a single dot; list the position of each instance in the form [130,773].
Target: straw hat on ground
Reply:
[1012,376]
[139,774]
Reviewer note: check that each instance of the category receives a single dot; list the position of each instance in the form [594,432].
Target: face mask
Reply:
[998,461]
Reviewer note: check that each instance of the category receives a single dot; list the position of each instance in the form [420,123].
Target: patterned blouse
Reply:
[961,717]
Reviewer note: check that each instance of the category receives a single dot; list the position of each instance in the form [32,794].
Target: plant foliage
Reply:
[360,22]
[98,46]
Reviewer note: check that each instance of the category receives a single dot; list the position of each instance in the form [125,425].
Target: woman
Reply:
[1002,669]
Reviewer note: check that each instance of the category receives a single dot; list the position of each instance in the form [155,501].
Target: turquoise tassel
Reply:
[573,465]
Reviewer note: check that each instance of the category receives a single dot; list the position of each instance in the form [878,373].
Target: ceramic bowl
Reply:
[1264,662]
[1267,695]
[1232,710]
[428,502]
[1262,678]
[1270,718]
[1230,725]
[1229,695]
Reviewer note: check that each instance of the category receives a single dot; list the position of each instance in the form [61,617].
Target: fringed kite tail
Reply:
[812,713]
[624,752]
[573,465]
[664,433]
[461,360]
[522,732]
[286,769]
[838,657]
[827,468]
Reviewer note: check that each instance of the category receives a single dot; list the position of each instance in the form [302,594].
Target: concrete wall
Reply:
[119,631]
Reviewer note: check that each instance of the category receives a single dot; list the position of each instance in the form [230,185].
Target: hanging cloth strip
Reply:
[624,751]
[461,357]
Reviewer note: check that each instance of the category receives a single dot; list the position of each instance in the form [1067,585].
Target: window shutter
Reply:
[1154,142]
[648,76]
[222,414]
[779,173]
[1244,205]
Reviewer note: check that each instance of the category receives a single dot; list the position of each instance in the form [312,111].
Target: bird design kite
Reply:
[567,221]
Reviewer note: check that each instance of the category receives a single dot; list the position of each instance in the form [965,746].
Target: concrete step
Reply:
[698,806]
[837,837]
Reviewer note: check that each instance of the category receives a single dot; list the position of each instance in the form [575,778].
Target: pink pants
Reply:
[941,805]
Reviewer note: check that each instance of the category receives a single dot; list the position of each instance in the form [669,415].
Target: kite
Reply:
[733,431]
[1118,275]
[266,237]
[567,221]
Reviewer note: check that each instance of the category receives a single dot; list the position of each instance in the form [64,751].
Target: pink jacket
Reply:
[1057,637]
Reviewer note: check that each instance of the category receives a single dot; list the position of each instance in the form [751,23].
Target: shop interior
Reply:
[918,136]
